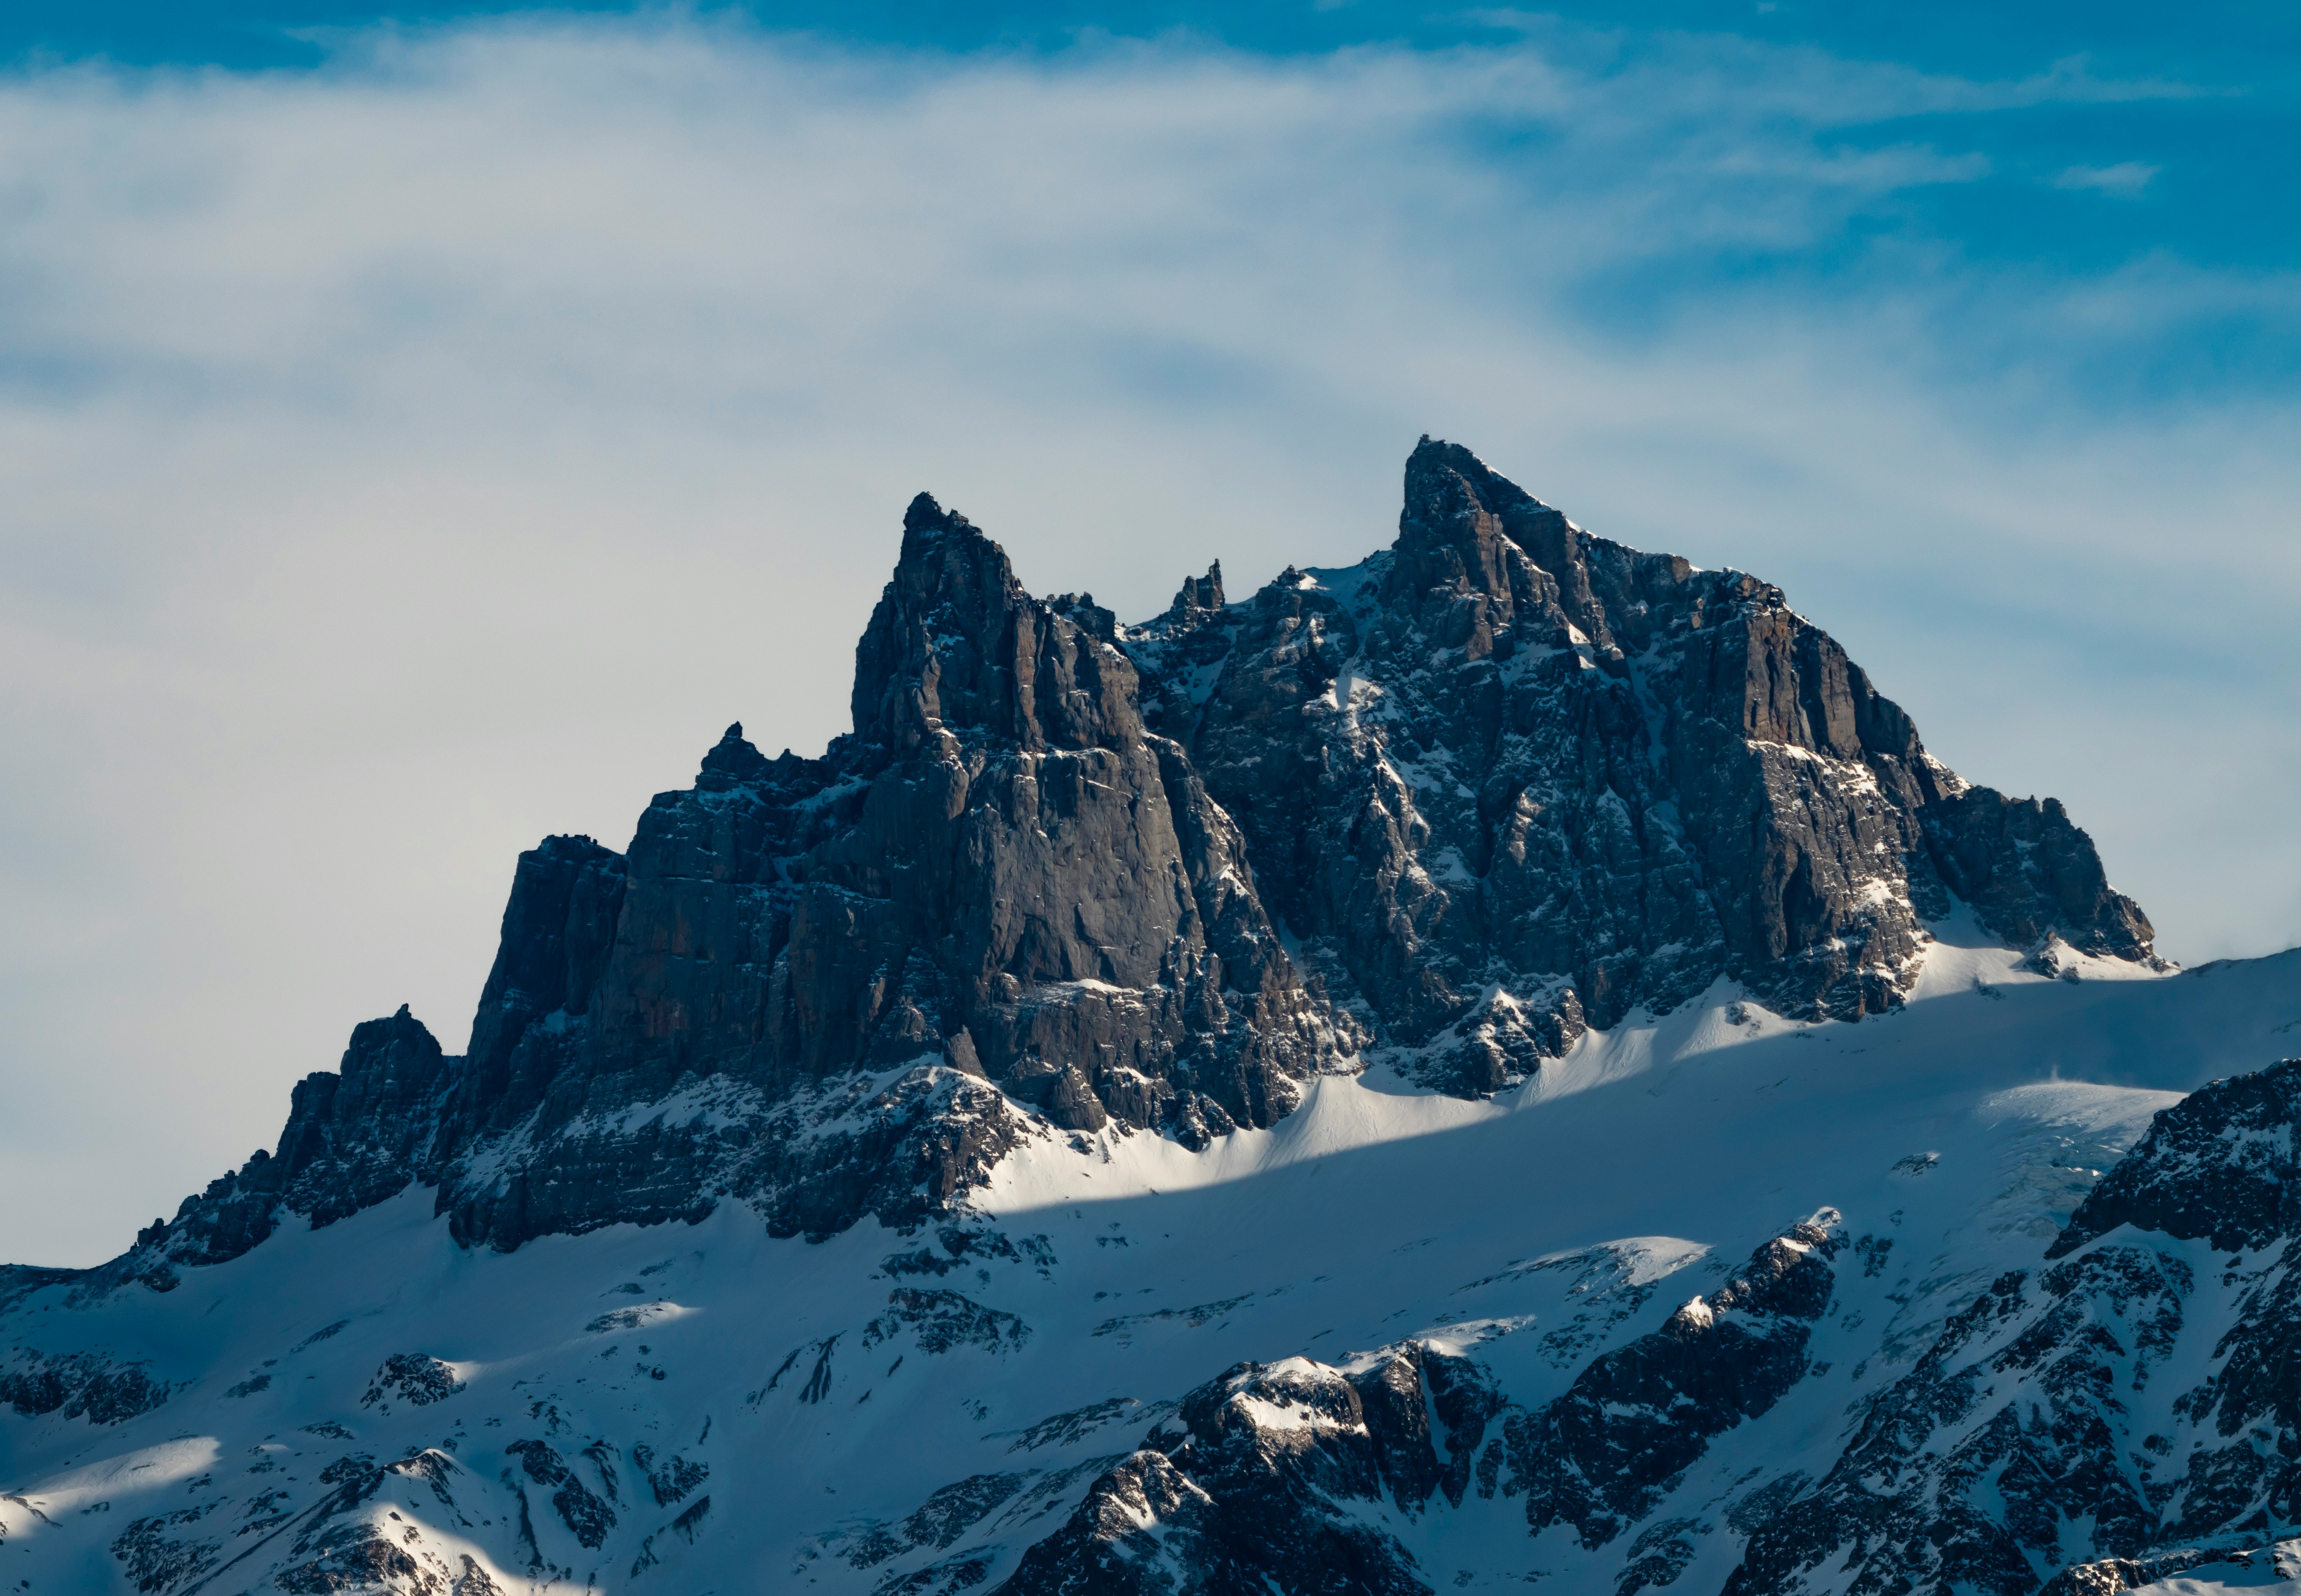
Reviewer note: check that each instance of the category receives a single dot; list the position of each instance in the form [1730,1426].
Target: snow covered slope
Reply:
[702,1408]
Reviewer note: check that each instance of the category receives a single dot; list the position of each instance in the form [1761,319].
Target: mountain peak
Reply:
[924,514]
[956,646]
[1442,476]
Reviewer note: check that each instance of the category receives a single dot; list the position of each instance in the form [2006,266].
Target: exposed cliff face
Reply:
[1073,912]
[353,1139]
[1503,781]
[1507,779]
[1000,876]
[1252,1487]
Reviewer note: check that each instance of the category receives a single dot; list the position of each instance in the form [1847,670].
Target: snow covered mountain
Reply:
[1506,1063]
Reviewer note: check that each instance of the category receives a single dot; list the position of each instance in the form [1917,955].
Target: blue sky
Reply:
[425,432]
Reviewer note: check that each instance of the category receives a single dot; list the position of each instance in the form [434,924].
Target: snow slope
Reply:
[701,1408]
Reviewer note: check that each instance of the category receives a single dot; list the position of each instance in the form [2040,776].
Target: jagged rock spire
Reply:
[1199,594]
[957,646]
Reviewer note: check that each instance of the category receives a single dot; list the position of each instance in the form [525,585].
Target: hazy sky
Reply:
[421,437]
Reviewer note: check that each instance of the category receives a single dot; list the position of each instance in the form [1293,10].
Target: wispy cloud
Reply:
[411,457]
[2125,179]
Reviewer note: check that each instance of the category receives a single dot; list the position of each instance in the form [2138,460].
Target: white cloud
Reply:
[413,457]
[2125,179]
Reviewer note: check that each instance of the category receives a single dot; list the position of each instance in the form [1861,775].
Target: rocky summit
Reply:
[1505,1063]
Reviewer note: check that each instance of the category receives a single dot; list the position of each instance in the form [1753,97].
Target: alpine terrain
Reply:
[1504,1063]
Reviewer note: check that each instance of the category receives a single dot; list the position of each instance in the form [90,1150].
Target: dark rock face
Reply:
[1508,779]
[1251,1487]
[413,1378]
[1073,911]
[2030,874]
[166,1548]
[558,929]
[353,1139]
[1264,1478]
[79,1384]
[1504,780]
[1603,1456]
[2221,1164]
[1000,873]
[942,1320]
[672,1479]
[370,1563]
[587,1518]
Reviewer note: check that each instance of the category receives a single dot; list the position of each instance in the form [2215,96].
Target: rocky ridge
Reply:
[1498,783]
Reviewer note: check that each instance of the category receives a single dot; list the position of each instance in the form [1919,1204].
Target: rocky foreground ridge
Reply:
[1444,810]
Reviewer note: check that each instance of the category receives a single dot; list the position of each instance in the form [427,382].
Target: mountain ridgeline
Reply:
[1443,810]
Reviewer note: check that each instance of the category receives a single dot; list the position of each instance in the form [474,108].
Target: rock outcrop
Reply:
[1500,782]
[1258,1484]
[1603,1456]
[1272,1476]
[2221,1166]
